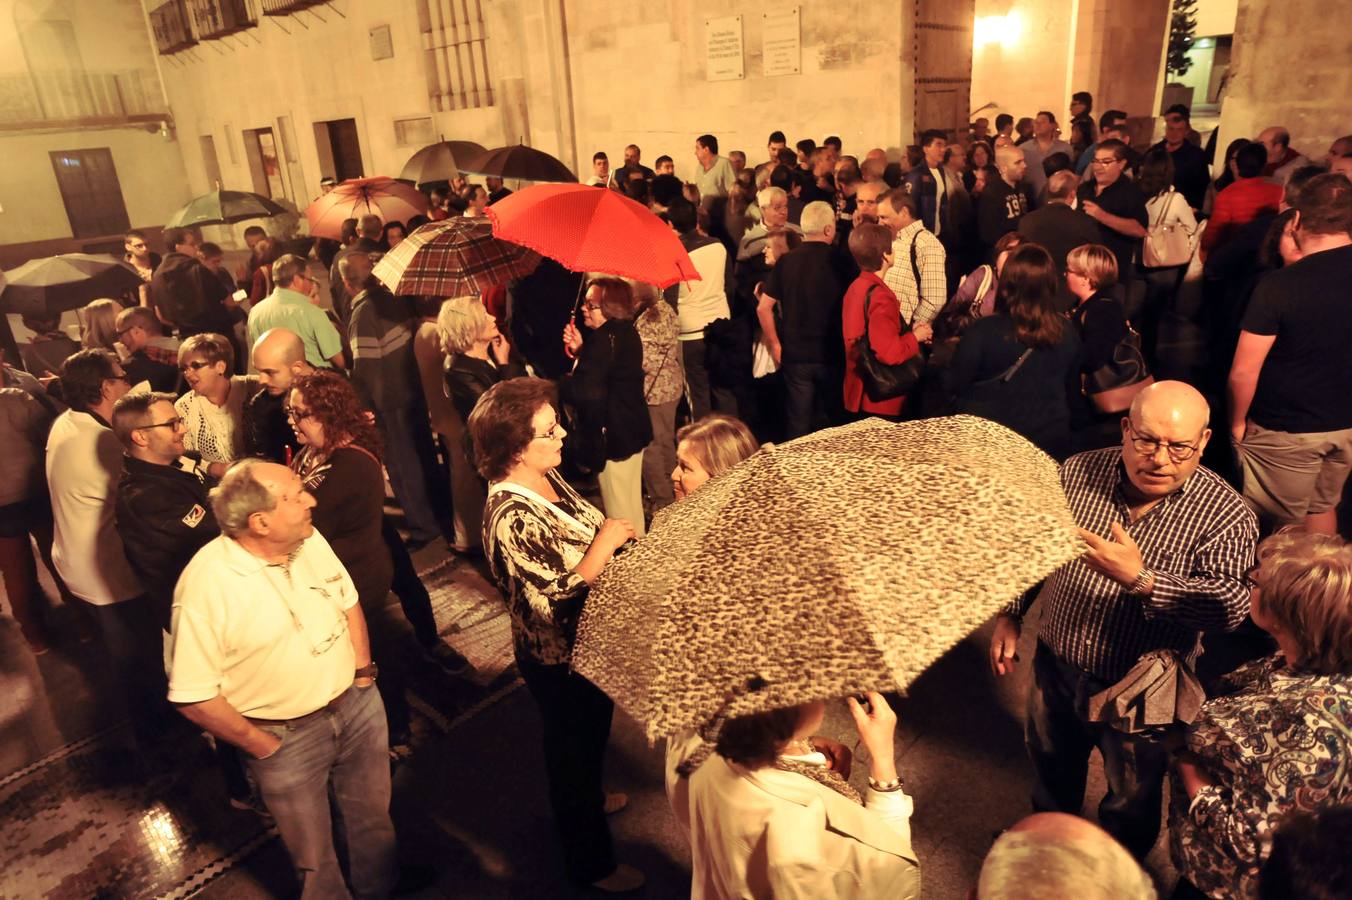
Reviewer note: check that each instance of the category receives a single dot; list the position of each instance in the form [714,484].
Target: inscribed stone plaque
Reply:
[781,45]
[723,48]
[382,44]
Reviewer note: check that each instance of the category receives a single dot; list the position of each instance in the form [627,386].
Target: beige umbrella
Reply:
[845,561]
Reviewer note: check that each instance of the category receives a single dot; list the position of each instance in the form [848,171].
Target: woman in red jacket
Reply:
[871,246]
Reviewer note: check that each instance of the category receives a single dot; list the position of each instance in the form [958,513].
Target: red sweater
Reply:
[1239,204]
[884,335]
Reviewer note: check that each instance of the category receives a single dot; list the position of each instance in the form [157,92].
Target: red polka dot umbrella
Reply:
[592,229]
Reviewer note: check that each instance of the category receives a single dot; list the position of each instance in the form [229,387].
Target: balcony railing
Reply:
[54,99]
[219,18]
[287,7]
[170,24]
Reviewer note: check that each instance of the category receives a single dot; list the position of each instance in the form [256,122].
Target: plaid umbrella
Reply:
[453,258]
[845,561]
[67,281]
[591,229]
[392,200]
[224,208]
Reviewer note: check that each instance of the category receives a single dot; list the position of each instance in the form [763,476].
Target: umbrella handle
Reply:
[577,301]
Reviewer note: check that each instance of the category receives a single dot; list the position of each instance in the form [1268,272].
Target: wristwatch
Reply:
[368,671]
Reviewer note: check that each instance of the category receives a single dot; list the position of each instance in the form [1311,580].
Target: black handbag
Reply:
[881,380]
[1112,387]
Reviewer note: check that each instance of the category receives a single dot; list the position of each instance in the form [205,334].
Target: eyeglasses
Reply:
[1148,446]
[296,414]
[551,434]
[122,377]
[1106,162]
[175,423]
[591,306]
[196,365]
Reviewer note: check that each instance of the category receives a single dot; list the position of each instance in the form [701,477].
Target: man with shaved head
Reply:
[1059,855]
[1167,548]
[1283,159]
[279,357]
[1005,200]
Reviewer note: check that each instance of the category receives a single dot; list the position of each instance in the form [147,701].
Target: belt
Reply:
[331,706]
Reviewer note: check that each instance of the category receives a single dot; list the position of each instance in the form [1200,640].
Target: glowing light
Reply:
[1003,30]
[161,834]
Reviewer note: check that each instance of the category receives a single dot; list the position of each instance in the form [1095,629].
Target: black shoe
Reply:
[446,656]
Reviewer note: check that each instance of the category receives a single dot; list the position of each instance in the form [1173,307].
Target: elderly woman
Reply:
[213,408]
[663,383]
[771,813]
[1279,737]
[339,464]
[545,546]
[605,389]
[707,448]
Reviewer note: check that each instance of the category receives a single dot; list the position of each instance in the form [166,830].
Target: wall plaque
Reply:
[781,44]
[723,49]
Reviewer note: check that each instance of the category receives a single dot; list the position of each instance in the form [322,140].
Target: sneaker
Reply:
[446,656]
[621,881]
[615,802]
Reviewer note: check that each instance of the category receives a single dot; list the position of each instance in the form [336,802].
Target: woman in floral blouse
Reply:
[1279,739]
[545,546]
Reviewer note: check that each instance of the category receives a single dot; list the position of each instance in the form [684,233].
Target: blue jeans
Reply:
[808,396]
[339,752]
[408,457]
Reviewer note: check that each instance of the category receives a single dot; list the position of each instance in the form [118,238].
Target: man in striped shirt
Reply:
[1168,546]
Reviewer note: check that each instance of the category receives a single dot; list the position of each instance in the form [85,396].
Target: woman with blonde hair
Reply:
[1277,736]
[708,448]
[213,408]
[98,326]
[1101,319]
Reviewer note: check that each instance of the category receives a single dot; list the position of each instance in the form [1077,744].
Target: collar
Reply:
[286,295]
[1120,470]
[243,562]
[917,225]
[94,419]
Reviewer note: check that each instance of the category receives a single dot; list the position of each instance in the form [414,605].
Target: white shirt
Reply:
[700,302]
[214,432]
[274,644]
[84,466]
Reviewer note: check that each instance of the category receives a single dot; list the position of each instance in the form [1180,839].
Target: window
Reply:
[410,132]
[91,192]
[260,147]
[457,55]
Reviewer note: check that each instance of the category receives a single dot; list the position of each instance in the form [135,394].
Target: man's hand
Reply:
[1092,210]
[1005,645]
[1118,559]
[265,748]
[364,681]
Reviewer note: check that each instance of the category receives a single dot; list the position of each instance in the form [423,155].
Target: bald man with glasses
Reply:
[1167,546]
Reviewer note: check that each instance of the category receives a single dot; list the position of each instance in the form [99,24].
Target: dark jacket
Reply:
[187,294]
[1060,229]
[606,391]
[164,517]
[467,378]
[162,376]
[349,492]
[920,184]
[267,433]
[342,300]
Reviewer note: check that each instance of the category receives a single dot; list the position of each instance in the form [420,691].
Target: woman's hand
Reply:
[613,534]
[924,332]
[877,726]
[1192,776]
[839,758]
[501,350]
[572,340]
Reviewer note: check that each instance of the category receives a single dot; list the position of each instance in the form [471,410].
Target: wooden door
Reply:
[943,64]
[346,149]
[91,192]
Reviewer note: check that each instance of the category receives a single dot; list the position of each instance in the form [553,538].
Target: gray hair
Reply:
[817,217]
[239,495]
[460,321]
[767,195]
[286,268]
[1028,865]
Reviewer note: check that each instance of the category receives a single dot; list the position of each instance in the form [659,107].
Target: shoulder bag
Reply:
[1166,244]
[1112,388]
[883,381]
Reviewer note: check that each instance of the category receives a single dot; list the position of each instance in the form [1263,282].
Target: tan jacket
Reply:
[770,833]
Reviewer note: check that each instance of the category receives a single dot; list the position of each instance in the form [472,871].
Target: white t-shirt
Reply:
[273,643]
[700,302]
[84,466]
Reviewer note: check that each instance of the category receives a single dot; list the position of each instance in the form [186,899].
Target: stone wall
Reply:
[1289,66]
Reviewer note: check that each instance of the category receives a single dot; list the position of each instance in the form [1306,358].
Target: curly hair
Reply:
[500,425]
[754,741]
[333,402]
[1305,581]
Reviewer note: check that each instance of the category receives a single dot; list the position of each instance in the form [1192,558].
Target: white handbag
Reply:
[1166,245]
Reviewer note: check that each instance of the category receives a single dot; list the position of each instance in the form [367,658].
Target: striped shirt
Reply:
[380,331]
[1199,542]
[922,305]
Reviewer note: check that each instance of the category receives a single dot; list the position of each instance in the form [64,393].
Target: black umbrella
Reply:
[522,162]
[224,208]
[48,287]
[441,161]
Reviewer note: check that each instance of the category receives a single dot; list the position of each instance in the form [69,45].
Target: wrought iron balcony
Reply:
[219,18]
[287,7]
[170,24]
[45,100]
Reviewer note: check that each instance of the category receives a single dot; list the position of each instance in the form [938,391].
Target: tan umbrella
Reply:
[845,561]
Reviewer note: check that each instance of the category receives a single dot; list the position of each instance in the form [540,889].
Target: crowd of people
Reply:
[208,468]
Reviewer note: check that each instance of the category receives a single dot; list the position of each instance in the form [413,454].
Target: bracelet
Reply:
[1137,587]
[885,787]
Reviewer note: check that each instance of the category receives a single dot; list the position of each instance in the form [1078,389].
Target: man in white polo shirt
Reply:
[270,653]
[84,465]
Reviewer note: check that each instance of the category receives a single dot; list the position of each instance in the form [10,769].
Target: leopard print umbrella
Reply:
[845,561]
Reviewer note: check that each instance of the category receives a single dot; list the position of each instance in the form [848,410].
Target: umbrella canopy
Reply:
[845,561]
[224,208]
[520,161]
[453,258]
[392,200]
[67,281]
[589,229]
[441,161]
